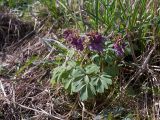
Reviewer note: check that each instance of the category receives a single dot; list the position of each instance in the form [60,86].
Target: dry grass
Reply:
[12,30]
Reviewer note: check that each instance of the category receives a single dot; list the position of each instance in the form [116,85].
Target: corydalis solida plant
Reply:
[95,43]
[89,74]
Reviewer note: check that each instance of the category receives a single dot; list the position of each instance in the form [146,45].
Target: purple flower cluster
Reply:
[119,47]
[74,39]
[95,43]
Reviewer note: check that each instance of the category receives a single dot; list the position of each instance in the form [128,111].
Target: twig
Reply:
[4,93]
[74,106]
[42,111]
[143,67]
[84,110]
[2,88]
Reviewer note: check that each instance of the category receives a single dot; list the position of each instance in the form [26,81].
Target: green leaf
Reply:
[67,84]
[60,74]
[64,74]
[93,90]
[77,72]
[71,64]
[92,68]
[86,92]
[95,58]
[100,87]
[78,85]
[102,82]
[57,72]
[106,78]
[86,79]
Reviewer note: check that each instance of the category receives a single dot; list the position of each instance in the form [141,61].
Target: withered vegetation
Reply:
[29,94]
[12,30]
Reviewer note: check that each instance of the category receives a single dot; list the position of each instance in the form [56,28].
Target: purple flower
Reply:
[118,50]
[78,43]
[96,46]
[66,33]
[119,47]
[74,39]
[96,41]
